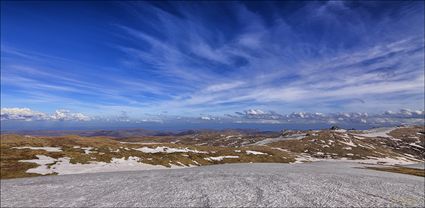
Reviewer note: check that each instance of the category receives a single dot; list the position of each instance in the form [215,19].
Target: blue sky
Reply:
[144,60]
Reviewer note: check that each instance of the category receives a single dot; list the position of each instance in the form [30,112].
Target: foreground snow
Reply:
[321,184]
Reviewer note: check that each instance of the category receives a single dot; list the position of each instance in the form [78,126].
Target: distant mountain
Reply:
[88,133]
[125,133]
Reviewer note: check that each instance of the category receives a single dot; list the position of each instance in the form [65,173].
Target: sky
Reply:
[215,62]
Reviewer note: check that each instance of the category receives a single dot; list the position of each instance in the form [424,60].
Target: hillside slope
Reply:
[23,156]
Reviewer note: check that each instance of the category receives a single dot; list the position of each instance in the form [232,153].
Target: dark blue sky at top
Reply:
[212,58]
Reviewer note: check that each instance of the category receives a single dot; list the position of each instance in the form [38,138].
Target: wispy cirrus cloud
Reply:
[193,59]
[273,67]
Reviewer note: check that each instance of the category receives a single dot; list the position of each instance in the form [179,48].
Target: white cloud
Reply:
[404,116]
[66,115]
[206,118]
[30,115]
[406,113]
[22,114]
[255,112]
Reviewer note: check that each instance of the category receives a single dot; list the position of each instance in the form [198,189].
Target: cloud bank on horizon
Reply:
[203,61]
[404,116]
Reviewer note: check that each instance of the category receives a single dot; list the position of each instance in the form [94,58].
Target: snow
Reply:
[237,150]
[220,158]
[43,161]
[420,165]
[416,145]
[340,130]
[304,157]
[357,137]
[231,185]
[64,167]
[87,150]
[368,146]
[378,132]
[48,149]
[350,143]
[280,138]
[249,152]
[371,160]
[146,143]
[388,161]
[167,150]
[280,149]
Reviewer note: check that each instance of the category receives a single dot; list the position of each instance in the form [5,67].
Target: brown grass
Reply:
[216,144]
[403,170]
[105,149]
[328,142]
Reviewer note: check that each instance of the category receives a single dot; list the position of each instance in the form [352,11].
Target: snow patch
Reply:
[48,149]
[87,150]
[167,150]
[280,138]
[220,158]
[304,158]
[416,145]
[280,149]
[43,161]
[371,160]
[249,152]
[146,143]
[64,167]
[378,132]
[350,143]
[358,137]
